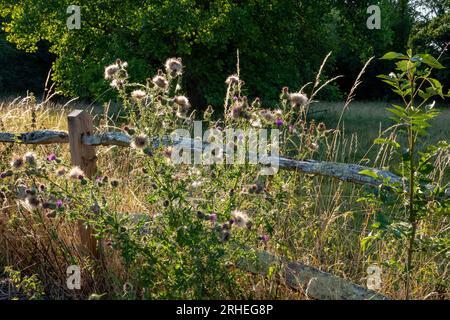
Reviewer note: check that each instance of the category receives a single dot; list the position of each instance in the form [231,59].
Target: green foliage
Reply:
[421,197]
[277,41]
[29,286]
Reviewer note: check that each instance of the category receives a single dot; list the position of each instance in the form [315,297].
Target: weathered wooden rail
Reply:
[342,171]
[318,284]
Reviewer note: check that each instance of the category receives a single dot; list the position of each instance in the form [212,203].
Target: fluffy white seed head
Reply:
[138,95]
[232,80]
[298,99]
[240,218]
[110,71]
[174,66]
[160,81]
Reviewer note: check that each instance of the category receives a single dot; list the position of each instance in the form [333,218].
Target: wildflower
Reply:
[232,80]
[114,183]
[61,171]
[321,127]
[7,173]
[59,203]
[312,127]
[122,64]
[117,84]
[264,238]
[240,218]
[168,152]
[256,104]
[95,208]
[51,157]
[244,103]
[284,93]
[30,158]
[279,122]
[160,81]
[139,142]
[256,188]
[182,101]
[32,202]
[30,192]
[17,163]
[255,121]
[225,235]
[129,130]
[174,66]
[138,95]
[298,99]
[197,183]
[200,215]
[392,75]
[213,218]
[76,173]
[48,205]
[235,112]
[111,70]
[100,180]
[267,115]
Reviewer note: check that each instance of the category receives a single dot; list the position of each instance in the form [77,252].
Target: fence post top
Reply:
[75,113]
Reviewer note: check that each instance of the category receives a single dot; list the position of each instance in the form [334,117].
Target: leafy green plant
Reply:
[30,286]
[420,197]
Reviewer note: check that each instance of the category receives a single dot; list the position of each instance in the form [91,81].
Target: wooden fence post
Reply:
[80,125]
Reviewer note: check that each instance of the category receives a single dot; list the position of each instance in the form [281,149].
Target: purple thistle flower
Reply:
[51,157]
[213,218]
[279,122]
[291,128]
[264,238]
[59,203]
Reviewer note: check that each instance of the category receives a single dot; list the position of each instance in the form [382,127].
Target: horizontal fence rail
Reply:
[342,171]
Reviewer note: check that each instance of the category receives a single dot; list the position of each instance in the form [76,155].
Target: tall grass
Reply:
[315,220]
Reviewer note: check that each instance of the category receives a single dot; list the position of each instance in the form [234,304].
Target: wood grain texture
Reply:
[80,125]
[343,171]
[314,283]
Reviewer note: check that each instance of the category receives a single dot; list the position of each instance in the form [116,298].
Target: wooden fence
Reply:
[318,284]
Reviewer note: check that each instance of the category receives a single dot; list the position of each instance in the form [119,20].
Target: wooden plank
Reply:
[35,137]
[342,171]
[314,283]
[80,125]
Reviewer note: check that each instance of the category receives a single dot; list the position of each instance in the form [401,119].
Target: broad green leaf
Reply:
[388,141]
[428,59]
[369,173]
[393,55]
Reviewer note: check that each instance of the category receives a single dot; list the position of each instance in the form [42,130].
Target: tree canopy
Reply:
[281,42]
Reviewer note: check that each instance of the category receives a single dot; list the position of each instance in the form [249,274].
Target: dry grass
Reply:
[322,226]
